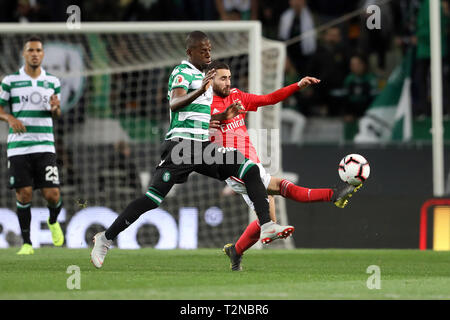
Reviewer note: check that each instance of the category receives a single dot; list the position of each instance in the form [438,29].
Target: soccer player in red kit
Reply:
[233,133]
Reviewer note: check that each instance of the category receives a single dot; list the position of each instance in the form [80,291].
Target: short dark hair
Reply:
[33,39]
[217,65]
[194,38]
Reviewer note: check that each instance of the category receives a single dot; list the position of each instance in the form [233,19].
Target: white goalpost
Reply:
[437,130]
[114,85]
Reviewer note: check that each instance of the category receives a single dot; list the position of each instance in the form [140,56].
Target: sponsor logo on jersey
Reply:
[35,98]
[179,79]
[232,125]
[19,84]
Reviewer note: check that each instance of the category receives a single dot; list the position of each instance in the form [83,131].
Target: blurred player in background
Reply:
[33,96]
[187,149]
[233,133]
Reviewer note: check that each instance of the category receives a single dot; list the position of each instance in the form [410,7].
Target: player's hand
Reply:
[233,110]
[16,125]
[207,80]
[214,124]
[307,81]
[55,105]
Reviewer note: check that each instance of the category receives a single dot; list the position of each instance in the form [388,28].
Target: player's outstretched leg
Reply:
[339,196]
[343,193]
[103,240]
[271,231]
[291,191]
[101,247]
[257,192]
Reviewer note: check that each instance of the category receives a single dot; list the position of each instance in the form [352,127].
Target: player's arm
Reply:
[306,82]
[55,104]
[13,123]
[253,101]
[231,111]
[179,97]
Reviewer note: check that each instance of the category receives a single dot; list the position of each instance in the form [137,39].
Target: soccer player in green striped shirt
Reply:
[187,149]
[33,97]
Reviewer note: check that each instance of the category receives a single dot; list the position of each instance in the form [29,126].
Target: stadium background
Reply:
[384,215]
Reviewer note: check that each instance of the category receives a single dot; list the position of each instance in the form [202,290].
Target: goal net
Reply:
[114,79]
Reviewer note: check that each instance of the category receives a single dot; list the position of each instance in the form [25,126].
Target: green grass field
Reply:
[205,274]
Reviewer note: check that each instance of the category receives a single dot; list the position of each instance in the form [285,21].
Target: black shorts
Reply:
[38,170]
[181,157]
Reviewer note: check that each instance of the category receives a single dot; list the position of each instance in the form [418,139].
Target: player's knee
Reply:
[52,196]
[24,195]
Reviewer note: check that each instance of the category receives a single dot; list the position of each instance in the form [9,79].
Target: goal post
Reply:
[114,81]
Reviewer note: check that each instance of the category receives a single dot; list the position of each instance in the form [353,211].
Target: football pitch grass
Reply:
[204,274]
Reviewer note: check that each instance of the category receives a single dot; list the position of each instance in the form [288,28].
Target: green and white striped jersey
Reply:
[190,122]
[29,101]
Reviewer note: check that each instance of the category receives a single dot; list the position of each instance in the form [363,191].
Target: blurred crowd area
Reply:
[352,61]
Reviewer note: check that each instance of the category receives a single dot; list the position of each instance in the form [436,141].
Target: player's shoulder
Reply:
[236,91]
[11,77]
[52,78]
[183,68]
[6,79]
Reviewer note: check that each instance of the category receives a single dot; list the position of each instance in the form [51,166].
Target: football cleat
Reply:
[57,234]
[101,247]
[271,231]
[230,250]
[26,249]
[343,193]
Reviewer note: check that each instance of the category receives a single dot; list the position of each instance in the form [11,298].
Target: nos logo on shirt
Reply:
[34,98]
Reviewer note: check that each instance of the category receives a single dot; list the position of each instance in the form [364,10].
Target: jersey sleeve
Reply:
[5,92]
[181,79]
[253,101]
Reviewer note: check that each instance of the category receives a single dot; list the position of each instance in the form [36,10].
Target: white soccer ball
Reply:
[354,169]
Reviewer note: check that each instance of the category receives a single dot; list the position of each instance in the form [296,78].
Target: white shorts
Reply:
[238,185]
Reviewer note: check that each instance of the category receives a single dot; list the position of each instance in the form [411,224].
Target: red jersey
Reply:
[233,133]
